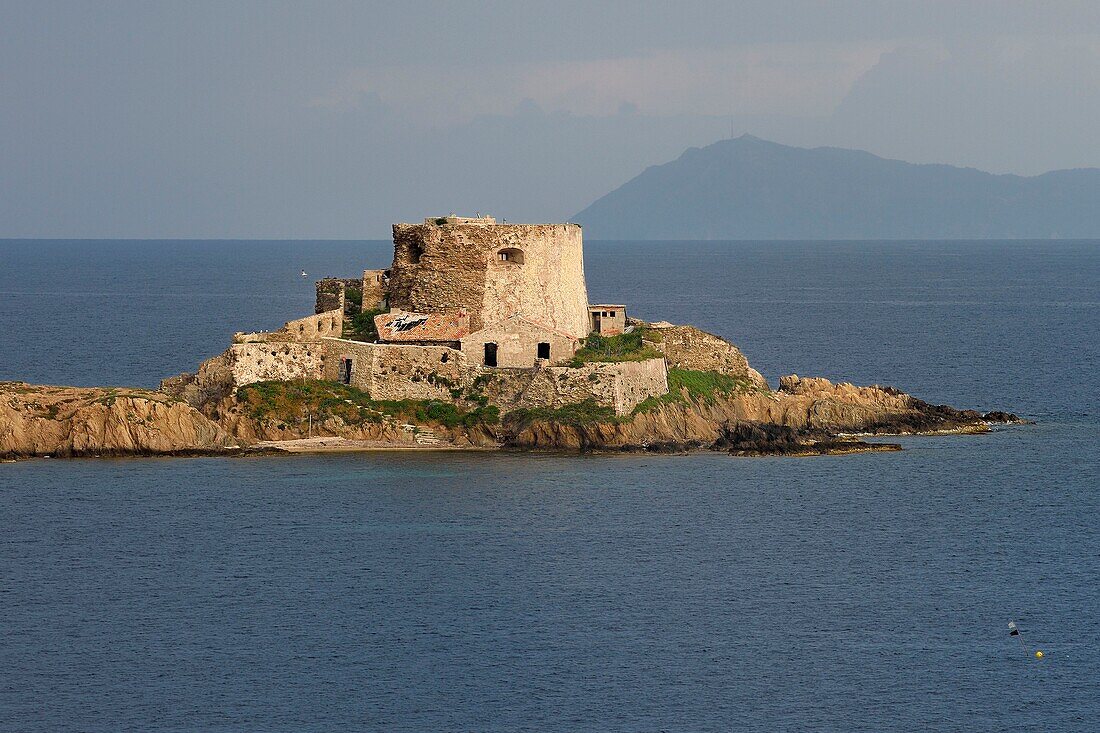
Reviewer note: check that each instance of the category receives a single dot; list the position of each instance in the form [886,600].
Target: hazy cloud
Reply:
[773,78]
[335,117]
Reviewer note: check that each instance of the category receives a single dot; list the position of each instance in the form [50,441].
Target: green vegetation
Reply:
[353,301]
[361,327]
[685,386]
[588,412]
[292,402]
[623,347]
[688,385]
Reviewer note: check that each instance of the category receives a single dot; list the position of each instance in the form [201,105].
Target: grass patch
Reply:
[688,385]
[622,347]
[292,402]
[588,412]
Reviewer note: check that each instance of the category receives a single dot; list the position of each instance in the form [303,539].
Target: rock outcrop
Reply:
[687,347]
[813,409]
[769,439]
[737,412]
[39,420]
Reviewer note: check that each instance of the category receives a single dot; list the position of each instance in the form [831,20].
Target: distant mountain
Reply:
[748,188]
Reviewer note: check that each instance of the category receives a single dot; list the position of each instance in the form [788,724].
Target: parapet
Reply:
[452,219]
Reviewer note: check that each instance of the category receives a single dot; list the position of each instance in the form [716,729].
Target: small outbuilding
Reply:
[607,320]
[518,342]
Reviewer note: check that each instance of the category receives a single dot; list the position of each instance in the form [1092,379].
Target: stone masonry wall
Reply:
[310,328]
[259,362]
[330,293]
[442,268]
[374,289]
[398,371]
[617,385]
[517,344]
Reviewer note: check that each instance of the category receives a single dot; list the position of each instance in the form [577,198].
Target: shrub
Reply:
[361,326]
[353,301]
[293,402]
[622,347]
[587,412]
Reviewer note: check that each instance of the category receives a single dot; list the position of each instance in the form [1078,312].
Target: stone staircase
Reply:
[424,436]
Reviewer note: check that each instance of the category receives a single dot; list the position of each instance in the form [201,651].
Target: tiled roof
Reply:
[402,326]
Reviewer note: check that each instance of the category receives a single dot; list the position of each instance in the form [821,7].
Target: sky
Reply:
[333,119]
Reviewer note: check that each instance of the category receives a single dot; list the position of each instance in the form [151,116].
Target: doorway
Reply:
[345,371]
[543,350]
[490,355]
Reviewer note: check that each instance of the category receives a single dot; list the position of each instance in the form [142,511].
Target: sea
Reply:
[504,592]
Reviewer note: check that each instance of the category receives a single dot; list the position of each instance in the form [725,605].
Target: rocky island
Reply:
[479,336]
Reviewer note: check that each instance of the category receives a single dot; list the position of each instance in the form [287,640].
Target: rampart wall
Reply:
[620,385]
[398,371]
[331,293]
[310,328]
[260,362]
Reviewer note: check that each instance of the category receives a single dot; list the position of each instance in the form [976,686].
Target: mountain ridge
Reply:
[751,188]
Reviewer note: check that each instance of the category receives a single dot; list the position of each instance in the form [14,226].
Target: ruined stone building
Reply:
[463,298]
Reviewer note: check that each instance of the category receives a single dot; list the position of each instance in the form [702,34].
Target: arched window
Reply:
[511,254]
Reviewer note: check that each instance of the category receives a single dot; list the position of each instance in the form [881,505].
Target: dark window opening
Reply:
[544,350]
[490,355]
[511,254]
[444,358]
[345,371]
[415,250]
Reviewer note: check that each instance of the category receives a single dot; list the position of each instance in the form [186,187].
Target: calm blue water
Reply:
[503,592]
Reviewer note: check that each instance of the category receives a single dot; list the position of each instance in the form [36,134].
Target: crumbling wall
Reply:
[310,328]
[620,385]
[242,364]
[331,294]
[260,362]
[398,371]
[374,289]
[686,347]
[447,267]
[438,268]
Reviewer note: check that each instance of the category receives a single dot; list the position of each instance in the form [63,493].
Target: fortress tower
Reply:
[492,271]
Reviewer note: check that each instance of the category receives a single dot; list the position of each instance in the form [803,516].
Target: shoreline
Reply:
[337,445]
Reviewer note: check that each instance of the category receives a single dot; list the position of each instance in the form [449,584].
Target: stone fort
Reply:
[465,300]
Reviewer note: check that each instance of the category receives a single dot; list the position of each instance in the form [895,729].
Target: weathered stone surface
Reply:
[246,363]
[398,371]
[374,285]
[310,328]
[330,293]
[742,438]
[620,385]
[517,339]
[441,268]
[72,421]
[687,347]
